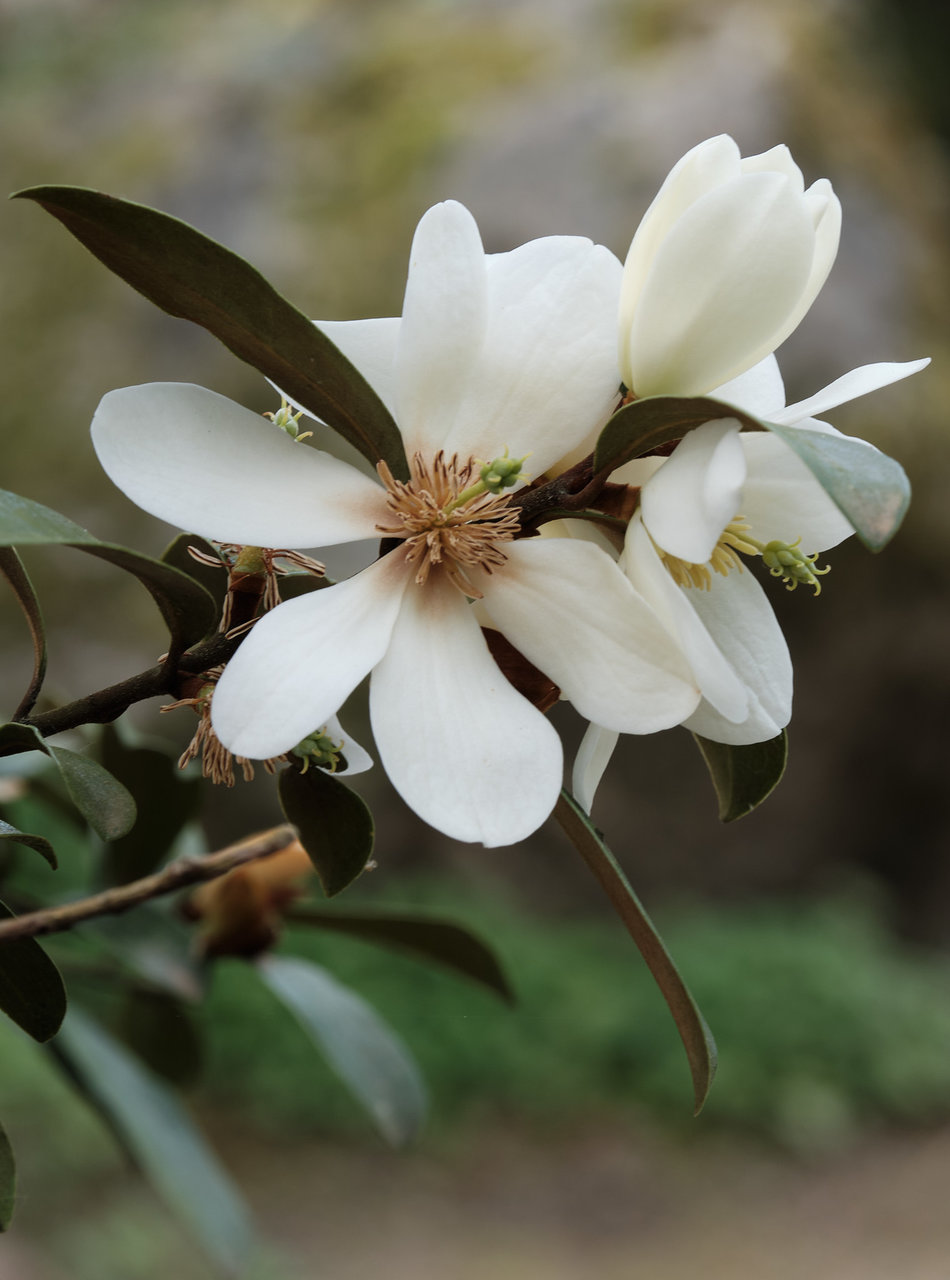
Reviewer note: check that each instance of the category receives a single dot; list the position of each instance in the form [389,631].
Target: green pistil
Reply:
[784,560]
[320,751]
[287,421]
[500,473]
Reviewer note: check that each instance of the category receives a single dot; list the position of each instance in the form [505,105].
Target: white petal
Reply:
[358,759]
[593,757]
[759,391]
[825,210]
[693,496]
[370,345]
[443,324]
[721,287]
[210,466]
[568,608]
[303,660]
[859,382]
[776,160]
[463,748]
[738,616]
[718,681]
[782,500]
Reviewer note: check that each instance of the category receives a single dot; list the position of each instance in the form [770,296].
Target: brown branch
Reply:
[177,875]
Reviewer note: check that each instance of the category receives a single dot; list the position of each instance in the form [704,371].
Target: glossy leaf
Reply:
[189,275]
[188,610]
[367,1055]
[214,581]
[31,991]
[867,486]
[335,825]
[695,1034]
[11,566]
[744,776]
[160,1135]
[643,426]
[103,802]
[7,1180]
[448,944]
[41,845]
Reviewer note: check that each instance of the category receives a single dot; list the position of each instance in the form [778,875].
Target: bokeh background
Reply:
[309,136]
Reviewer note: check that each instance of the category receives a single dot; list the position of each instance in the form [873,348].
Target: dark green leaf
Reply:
[156,946]
[7,1180]
[870,488]
[102,801]
[188,610]
[690,1023]
[159,1030]
[164,798]
[189,275]
[31,990]
[744,776]
[214,580]
[336,827]
[645,425]
[448,944]
[160,1135]
[366,1054]
[32,842]
[11,566]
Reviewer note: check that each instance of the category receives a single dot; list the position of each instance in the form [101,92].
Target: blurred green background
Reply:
[309,137]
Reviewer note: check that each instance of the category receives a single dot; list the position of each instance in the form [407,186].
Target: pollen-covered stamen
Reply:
[725,557]
[443,524]
[217,762]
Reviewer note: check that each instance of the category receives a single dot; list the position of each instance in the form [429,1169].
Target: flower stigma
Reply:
[320,750]
[782,559]
[287,421]
[447,518]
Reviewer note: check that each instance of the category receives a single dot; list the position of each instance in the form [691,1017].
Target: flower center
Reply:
[782,559]
[452,514]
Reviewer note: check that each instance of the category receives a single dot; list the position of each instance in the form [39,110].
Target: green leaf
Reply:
[7,1180]
[744,776]
[188,610]
[160,1135]
[164,798]
[159,1030]
[645,425]
[335,825]
[366,1054]
[214,581]
[31,991]
[867,486]
[448,944]
[156,946]
[189,275]
[42,846]
[695,1034]
[102,801]
[11,566]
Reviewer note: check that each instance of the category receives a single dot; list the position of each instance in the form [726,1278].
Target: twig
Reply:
[177,875]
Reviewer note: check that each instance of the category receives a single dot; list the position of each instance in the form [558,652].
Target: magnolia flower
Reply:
[728,258]
[723,493]
[491,351]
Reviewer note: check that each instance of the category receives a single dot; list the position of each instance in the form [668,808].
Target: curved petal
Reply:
[546,376]
[592,759]
[719,683]
[358,759]
[859,382]
[759,391]
[568,608]
[738,616]
[781,499]
[463,748]
[721,286]
[370,345]
[825,211]
[777,159]
[208,465]
[443,325]
[302,660]
[690,499]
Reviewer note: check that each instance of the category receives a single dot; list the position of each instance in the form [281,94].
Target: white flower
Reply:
[728,258]
[496,351]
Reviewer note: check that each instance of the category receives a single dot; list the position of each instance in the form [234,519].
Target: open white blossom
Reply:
[492,353]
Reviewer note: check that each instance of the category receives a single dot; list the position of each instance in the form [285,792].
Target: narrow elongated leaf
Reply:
[31,990]
[695,1034]
[155,945]
[867,486]
[11,566]
[103,802]
[160,1135]
[7,1180]
[189,275]
[189,612]
[42,846]
[335,825]
[367,1055]
[645,425]
[744,776]
[159,1030]
[448,944]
